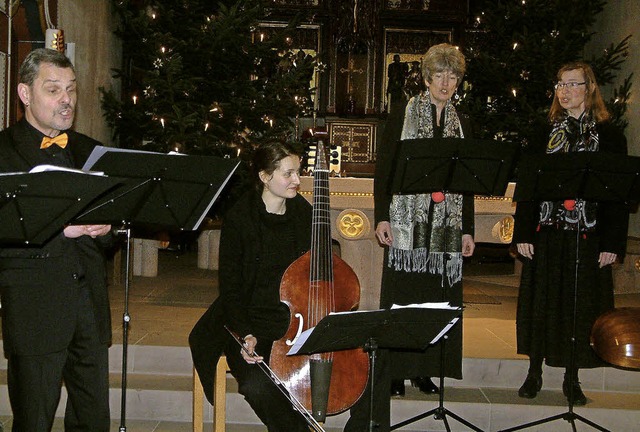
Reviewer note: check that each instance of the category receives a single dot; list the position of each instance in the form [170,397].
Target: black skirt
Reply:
[401,287]
[548,293]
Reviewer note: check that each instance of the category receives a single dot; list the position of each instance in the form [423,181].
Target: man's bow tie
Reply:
[60,140]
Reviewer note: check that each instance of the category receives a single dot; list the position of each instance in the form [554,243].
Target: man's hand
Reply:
[75,231]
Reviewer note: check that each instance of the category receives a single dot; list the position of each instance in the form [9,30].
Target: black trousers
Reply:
[270,405]
[35,382]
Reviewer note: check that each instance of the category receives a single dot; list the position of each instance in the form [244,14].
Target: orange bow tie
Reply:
[60,140]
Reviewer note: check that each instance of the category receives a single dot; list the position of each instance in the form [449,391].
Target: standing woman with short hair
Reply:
[546,237]
[427,235]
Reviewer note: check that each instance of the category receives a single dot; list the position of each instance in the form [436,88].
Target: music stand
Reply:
[401,328]
[32,211]
[161,191]
[592,176]
[479,167]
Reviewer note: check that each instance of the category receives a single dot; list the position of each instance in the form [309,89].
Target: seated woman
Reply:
[267,229]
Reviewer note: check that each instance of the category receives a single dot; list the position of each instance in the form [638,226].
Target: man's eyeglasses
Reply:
[569,85]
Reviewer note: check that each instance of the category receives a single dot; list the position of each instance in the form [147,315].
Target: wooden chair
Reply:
[219,398]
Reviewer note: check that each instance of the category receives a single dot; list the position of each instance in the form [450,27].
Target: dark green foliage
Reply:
[514,50]
[197,67]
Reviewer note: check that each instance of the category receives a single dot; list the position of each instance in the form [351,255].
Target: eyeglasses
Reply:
[569,85]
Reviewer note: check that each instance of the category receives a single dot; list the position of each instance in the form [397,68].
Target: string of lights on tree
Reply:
[203,77]
[514,49]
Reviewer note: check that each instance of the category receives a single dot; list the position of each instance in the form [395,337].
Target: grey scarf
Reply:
[423,230]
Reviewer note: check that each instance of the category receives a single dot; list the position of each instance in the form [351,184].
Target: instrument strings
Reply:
[321,285]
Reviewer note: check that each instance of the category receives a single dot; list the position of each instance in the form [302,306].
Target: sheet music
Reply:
[99,151]
[437,305]
[215,197]
[46,167]
[300,341]
[355,311]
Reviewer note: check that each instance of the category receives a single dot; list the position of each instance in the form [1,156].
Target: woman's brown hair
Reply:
[593,103]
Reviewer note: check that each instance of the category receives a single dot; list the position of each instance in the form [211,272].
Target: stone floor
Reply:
[163,310]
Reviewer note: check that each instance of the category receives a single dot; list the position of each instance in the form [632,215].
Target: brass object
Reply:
[503,230]
[353,224]
[637,264]
[615,337]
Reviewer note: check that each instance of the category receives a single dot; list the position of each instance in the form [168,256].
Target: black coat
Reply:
[555,308]
[407,287]
[385,160]
[39,285]
[240,254]
[613,218]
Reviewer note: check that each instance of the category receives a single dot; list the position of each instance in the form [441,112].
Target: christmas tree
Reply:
[514,49]
[202,77]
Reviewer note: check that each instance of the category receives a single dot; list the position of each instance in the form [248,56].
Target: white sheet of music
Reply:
[437,305]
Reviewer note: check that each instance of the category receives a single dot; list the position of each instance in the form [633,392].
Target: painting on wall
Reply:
[403,53]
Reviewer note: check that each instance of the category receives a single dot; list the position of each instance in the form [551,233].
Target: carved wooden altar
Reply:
[351,201]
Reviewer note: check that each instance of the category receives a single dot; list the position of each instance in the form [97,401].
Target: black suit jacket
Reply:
[39,285]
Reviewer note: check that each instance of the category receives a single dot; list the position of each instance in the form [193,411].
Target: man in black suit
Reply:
[56,323]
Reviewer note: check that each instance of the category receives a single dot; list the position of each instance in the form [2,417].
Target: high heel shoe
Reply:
[397,387]
[578,397]
[425,385]
[530,387]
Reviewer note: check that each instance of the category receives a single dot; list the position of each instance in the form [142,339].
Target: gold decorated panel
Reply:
[344,192]
[356,139]
[353,224]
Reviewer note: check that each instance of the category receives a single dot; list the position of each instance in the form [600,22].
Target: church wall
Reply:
[90,24]
[618,20]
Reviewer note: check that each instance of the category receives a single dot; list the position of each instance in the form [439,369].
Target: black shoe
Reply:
[425,385]
[397,387]
[530,387]
[578,397]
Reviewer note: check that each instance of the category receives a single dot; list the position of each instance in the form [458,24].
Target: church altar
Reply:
[351,201]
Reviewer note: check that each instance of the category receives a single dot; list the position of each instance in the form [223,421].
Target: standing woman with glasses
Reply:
[545,235]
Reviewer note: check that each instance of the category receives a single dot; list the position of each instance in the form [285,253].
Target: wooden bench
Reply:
[219,398]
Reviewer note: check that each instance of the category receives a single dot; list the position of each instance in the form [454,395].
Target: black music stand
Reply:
[412,328]
[161,191]
[479,167]
[592,176]
[32,211]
